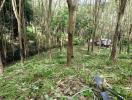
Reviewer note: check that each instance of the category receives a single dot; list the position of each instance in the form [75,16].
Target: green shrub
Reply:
[30,34]
[77,40]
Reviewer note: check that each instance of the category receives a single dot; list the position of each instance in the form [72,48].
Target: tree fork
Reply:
[19,14]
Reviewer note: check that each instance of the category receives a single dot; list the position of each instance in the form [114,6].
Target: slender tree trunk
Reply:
[122,5]
[88,45]
[19,16]
[20,41]
[70,37]
[96,21]
[21,30]
[13,50]
[93,39]
[115,40]
[49,28]
[72,5]
[2,4]
[120,47]
[4,48]
[128,48]
[69,49]
[61,44]
[1,46]
[50,55]
[25,42]
[1,63]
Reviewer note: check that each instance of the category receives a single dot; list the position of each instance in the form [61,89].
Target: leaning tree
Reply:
[122,5]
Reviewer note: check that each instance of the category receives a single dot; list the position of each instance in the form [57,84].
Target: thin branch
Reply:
[2,5]
[15,9]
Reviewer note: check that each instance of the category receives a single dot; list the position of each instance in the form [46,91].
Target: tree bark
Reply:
[95,21]
[19,16]
[115,40]
[2,4]
[1,46]
[72,6]
[128,48]
[120,46]
[1,63]
[122,5]
[88,45]
[49,27]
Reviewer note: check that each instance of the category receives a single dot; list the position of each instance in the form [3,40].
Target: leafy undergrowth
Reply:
[40,79]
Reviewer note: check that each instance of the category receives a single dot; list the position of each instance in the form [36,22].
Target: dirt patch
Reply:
[70,86]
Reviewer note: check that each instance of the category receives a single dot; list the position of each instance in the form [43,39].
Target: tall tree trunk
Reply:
[122,4]
[115,40]
[19,16]
[72,6]
[1,46]
[128,48]
[95,21]
[1,63]
[21,30]
[25,42]
[49,27]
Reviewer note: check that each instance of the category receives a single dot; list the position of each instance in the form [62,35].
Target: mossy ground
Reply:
[38,77]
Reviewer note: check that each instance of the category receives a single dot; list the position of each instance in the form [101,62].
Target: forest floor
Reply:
[41,79]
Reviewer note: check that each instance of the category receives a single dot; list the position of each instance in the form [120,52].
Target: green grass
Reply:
[38,77]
